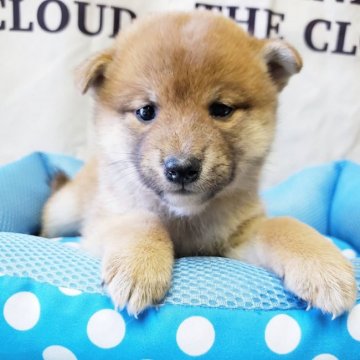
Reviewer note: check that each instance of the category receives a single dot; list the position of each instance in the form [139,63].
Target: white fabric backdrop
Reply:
[41,41]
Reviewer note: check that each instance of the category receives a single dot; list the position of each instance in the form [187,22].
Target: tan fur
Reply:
[66,209]
[132,216]
[310,265]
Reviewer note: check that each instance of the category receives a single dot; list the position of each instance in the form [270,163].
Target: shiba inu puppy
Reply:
[185,117]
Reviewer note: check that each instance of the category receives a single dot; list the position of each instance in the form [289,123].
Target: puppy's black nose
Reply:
[182,171]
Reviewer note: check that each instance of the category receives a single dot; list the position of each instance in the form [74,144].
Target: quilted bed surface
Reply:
[52,305]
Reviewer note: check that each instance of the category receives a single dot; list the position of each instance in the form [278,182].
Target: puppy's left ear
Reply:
[91,72]
[282,61]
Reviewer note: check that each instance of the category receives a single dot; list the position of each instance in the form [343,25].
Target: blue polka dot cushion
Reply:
[52,305]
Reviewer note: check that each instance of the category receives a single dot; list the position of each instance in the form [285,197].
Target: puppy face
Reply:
[186,105]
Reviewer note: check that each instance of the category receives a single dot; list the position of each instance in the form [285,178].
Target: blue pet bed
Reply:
[52,305]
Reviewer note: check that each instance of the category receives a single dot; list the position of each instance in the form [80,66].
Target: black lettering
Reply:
[17,18]
[309,34]
[118,17]
[250,20]
[208,6]
[64,20]
[82,18]
[271,25]
[2,22]
[340,44]
[356,2]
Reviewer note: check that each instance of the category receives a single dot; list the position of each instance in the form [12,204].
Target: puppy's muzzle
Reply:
[182,171]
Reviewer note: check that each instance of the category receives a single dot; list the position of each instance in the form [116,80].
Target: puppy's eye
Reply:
[220,110]
[146,113]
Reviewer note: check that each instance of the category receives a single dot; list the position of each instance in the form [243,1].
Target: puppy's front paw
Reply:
[136,281]
[327,283]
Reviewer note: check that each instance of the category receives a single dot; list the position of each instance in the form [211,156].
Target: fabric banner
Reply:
[42,41]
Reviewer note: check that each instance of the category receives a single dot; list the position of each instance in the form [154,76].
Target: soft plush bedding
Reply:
[52,305]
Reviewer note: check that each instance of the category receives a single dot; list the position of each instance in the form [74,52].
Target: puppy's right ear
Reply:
[92,71]
[282,61]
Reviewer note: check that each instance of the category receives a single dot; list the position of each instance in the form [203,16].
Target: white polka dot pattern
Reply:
[195,336]
[353,322]
[325,357]
[70,292]
[57,352]
[349,253]
[22,311]
[106,328]
[282,334]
